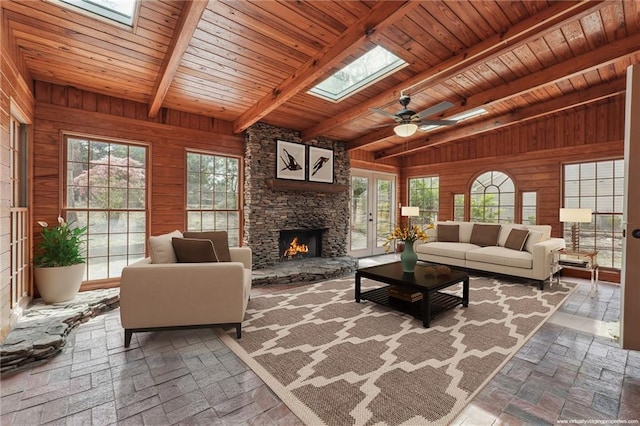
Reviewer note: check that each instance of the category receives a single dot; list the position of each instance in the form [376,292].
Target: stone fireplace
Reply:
[272,205]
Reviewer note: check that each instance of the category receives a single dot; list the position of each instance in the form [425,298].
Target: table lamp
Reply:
[575,216]
[410,211]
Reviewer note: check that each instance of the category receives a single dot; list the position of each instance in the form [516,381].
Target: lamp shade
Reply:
[575,215]
[405,130]
[410,211]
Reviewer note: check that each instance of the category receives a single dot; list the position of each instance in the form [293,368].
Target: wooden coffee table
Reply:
[433,301]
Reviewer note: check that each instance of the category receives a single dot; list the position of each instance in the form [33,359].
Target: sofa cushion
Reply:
[534,238]
[448,233]
[161,249]
[466,228]
[193,250]
[505,230]
[501,256]
[446,249]
[516,239]
[485,235]
[218,238]
[544,229]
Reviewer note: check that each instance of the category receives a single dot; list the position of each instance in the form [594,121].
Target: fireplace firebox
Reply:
[297,244]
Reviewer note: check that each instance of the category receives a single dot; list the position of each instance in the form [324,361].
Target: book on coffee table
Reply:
[404,294]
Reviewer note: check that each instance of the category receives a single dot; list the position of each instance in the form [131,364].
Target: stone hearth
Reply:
[269,209]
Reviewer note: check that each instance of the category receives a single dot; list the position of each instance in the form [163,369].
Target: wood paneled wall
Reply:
[13,91]
[62,109]
[576,128]
[365,160]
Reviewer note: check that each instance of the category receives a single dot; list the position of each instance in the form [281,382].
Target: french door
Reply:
[373,196]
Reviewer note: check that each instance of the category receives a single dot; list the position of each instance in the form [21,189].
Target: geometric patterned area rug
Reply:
[337,362]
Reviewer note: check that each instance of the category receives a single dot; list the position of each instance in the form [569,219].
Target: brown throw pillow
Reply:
[485,235]
[193,250]
[516,239]
[220,242]
[448,233]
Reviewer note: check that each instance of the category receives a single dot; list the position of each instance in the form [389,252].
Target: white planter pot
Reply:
[59,284]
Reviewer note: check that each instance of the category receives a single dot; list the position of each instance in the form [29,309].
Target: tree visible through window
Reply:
[493,198]
[424,192]
[106,191]
[213,200]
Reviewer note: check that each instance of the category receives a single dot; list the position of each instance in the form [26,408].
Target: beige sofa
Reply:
[167,296]
[532,261]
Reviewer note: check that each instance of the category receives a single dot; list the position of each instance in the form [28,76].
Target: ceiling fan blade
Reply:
[438,122]
[381,125]
[434,109]
[385,113]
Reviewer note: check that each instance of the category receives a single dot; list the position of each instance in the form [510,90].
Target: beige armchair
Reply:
[169,296]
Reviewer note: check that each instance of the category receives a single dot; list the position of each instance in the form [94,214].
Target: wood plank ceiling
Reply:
[248,61]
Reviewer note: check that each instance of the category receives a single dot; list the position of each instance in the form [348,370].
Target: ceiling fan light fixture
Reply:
[405,130]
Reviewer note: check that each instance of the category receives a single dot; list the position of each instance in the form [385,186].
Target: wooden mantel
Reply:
[294,185]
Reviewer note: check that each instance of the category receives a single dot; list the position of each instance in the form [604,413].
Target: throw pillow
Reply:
[516,239]
[220,242]
[192,250]
[448,233]
[161,249]
[534,238]
[485,235]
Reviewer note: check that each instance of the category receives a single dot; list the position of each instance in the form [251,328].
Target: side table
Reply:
[576,259]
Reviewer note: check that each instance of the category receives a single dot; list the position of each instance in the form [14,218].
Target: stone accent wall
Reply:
[268,210]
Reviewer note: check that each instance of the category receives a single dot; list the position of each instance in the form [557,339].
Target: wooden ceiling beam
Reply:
[185,27]
[548,20]
[589,61]
[381,16]
[580,97]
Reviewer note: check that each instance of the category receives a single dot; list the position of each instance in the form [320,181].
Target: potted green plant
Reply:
[58,263]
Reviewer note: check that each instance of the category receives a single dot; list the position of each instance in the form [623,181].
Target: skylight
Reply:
[370,67]
[117,10]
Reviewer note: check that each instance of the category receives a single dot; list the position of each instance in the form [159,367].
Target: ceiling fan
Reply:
[407,121]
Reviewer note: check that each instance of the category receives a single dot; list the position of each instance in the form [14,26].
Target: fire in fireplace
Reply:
[300,243]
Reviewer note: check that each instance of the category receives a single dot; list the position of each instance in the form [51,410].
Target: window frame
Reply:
[457,207]
[592,230]
[426,216]
[514,206]
[363,83]
[103,13]
[522,207]
[67,210]
[234,240]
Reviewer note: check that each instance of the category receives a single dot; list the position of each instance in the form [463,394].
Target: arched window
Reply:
[493,198]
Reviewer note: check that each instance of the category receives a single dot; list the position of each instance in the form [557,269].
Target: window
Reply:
[372,66]
[493,198]
[19,213]
[424,193]
[598,186]
[529,208]
[117,10]
[458,207]
[213,200]
[106,191]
